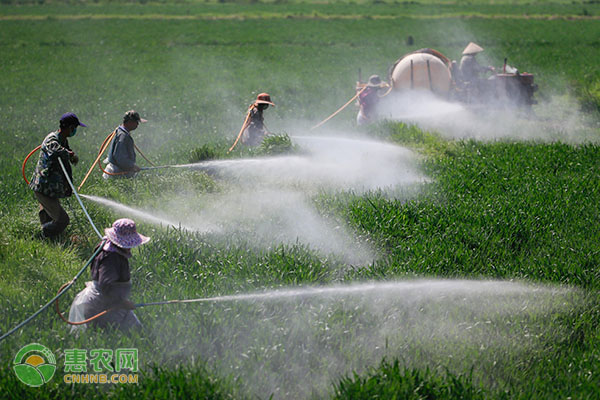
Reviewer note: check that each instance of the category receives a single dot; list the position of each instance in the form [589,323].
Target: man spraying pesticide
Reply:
[121,154]
[48,181]
[121,160]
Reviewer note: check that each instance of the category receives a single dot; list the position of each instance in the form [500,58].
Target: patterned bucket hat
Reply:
[124,234]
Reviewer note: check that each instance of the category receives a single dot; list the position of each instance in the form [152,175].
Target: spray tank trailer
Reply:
[429,70]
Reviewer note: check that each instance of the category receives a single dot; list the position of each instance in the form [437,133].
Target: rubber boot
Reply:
[44,217]
[54,228]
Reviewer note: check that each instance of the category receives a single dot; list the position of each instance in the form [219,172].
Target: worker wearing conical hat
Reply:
[469,68]
[255,129]
[368,99]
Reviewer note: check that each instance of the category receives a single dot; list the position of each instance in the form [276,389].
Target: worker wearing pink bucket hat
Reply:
[124,234]
[111,281]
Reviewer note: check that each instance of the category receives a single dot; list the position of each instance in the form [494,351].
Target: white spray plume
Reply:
[270,199]
[557,119]
[295,342]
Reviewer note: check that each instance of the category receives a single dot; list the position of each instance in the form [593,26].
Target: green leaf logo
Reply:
[34,364]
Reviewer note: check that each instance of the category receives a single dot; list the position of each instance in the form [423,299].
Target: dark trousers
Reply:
[53,217]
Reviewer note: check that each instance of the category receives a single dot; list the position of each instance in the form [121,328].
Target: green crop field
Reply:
[483,257]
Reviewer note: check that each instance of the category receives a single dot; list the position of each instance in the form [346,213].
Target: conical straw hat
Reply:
[472,48]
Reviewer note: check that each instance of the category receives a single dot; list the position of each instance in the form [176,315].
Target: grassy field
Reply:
[524,212]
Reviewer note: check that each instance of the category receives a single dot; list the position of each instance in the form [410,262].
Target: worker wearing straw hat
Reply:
[121,154]
[111,280]
[49,183]
[255,129]
[368,99]
[469,67]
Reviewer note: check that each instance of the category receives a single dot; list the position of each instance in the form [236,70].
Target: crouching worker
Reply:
[111,281]
[49,183]
[121,154]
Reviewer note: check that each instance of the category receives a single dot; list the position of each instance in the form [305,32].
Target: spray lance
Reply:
[360,87]
[340,109]
[103,148]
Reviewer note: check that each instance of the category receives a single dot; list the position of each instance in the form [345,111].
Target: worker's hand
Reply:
[73,157]
[128,305]
[136,168]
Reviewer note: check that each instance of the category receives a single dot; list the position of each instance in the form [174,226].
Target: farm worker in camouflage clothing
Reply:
[255,127]
[469,67]
[368,100]
[48,182]
[111,281]
[121,154]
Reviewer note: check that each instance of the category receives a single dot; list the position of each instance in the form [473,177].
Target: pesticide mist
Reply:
[294,343]
[554,119]
[270,200]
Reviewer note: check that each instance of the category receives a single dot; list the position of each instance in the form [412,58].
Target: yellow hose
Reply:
[142,154]
[244,125]
[341,108]
[102,150]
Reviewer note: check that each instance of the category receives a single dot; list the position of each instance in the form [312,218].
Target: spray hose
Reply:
[62,291]
[64,288]
[100,153]
[390,87]
[60,314]
[113,173]
[244,125]
[138,305]
[103,148]
[27,159]
[142,154]
[78,198]
[340,109]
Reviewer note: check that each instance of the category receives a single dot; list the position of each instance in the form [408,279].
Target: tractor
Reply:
[428,69]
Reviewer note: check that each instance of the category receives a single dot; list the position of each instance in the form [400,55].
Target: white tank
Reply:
[421,71]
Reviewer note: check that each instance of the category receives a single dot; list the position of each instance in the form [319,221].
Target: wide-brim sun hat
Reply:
[472,48]
[123,233]
[264,98]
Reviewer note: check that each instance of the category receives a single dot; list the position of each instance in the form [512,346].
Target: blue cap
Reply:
[70,119]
